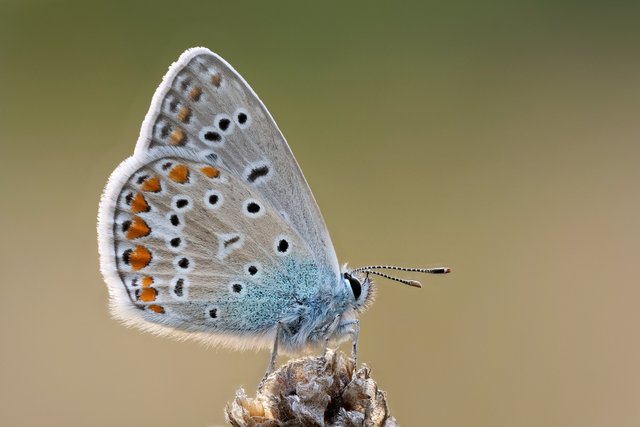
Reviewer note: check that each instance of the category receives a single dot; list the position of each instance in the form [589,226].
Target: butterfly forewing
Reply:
[205,105]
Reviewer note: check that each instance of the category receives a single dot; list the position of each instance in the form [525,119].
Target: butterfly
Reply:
[210,231]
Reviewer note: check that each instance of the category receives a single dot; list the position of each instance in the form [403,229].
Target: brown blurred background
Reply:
[501,138]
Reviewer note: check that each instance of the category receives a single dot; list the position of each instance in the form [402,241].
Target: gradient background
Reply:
[498,138]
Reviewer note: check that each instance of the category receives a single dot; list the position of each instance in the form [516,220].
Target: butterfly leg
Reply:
[355,331]
[274,355]
[331,328]
[354,348]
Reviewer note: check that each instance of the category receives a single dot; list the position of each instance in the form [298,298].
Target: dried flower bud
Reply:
[314,391]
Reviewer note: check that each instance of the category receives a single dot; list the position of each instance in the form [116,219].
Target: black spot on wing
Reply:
[179,287]
[231,241]
[258,172]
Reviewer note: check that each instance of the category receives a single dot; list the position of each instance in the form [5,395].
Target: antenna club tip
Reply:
[447,270]
[414,283]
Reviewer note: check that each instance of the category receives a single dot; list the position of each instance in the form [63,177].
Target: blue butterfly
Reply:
[210,231]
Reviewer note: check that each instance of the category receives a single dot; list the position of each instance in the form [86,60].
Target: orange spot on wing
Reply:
[138,228]
[156,308]
[139,258]
[147,281]
[139,204]
[179,174]
[216,79]
[151,184]
[195,94]
[147,294]
[210,171]
[184,115]
[177,136]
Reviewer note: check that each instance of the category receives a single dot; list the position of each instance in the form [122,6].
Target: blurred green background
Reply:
[500,138]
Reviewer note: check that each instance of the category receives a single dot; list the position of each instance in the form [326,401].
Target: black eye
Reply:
[356,288]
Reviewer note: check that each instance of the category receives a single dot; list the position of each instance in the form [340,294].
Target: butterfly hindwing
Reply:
[186,244]
[203,104]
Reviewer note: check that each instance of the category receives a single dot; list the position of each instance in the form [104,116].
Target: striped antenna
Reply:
[437,270]
[371,270]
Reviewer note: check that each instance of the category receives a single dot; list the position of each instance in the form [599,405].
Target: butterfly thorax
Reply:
[320,302]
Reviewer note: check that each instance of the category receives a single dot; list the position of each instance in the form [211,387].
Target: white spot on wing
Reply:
[228,243]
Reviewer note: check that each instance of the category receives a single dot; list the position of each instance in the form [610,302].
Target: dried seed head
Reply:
[314,391]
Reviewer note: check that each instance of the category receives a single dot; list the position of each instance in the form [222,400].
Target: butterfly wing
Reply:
[205,105]
[187,247]
[210,230]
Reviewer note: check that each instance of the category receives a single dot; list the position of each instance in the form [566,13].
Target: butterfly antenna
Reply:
[413,283]
[372,270]
[437,270]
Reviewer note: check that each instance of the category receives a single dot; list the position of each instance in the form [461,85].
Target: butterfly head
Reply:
[362,289]
[361,285]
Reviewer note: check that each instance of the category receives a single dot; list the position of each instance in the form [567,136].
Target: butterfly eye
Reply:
[356,287]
